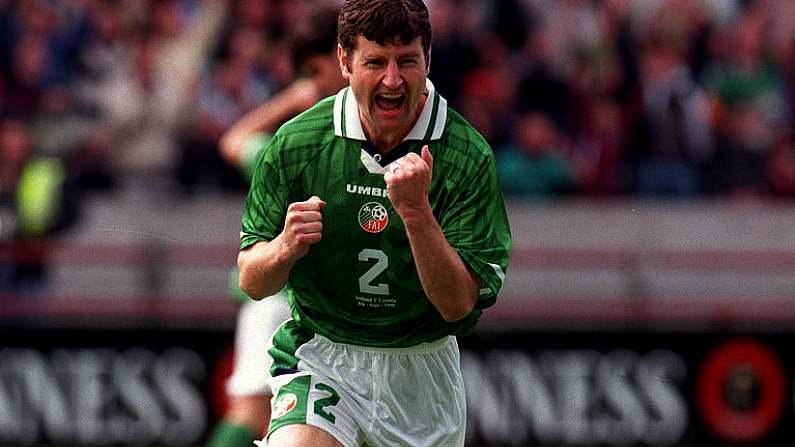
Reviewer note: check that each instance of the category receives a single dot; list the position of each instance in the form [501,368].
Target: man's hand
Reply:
[447,281]
[303,226]
[265,266]
[408,181]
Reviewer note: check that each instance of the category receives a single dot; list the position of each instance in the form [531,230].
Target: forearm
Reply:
[266,118]
[265,266]
[449,284]
[233,141]
[264,269]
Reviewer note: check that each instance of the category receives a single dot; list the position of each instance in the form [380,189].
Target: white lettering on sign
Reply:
[101,396]
[575,397]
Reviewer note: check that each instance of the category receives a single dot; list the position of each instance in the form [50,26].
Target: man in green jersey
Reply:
[381,211]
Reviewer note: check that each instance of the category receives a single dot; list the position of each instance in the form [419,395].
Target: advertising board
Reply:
[135,386]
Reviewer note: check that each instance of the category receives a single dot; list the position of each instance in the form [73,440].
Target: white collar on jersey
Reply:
[429,125]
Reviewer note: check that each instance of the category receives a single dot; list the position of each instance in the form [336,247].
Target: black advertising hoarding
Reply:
[149,385]
[131,386]
[629,388]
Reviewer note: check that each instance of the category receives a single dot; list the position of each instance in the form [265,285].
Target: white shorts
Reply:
[256,323]
[369,396]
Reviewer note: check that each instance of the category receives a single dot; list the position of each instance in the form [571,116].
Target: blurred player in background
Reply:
[382,207]
[249,394]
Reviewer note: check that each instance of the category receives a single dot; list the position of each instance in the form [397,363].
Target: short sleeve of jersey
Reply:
[476,226]
[263,214]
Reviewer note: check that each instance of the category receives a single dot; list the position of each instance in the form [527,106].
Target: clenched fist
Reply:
[408,181]
[303,226]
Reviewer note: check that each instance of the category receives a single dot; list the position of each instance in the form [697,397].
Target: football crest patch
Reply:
[373,217]
[284,405]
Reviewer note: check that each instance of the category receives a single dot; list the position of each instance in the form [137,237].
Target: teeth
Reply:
[391,95]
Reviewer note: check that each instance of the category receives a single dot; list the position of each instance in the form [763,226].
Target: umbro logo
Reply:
[366,190]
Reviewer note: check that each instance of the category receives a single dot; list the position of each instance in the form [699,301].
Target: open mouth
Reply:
[389,102]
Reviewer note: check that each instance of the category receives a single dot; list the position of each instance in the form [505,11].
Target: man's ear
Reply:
[428,64]
[343,59]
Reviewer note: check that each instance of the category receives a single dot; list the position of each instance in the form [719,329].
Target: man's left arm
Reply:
[449,284]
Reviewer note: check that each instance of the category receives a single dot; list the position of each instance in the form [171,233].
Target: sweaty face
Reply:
[388,83]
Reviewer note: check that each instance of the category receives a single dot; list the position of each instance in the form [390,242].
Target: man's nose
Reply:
[392,78]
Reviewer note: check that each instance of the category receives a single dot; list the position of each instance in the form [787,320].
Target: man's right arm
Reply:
[266,265]
[264,268]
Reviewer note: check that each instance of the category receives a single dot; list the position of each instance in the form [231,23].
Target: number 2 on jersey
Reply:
[366,280]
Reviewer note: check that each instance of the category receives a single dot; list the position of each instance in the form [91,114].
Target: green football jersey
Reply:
[359,284]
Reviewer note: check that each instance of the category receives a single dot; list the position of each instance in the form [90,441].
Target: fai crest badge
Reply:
[284,405]
[373,217]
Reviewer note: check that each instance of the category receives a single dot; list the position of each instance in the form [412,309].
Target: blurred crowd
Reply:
[642,98]
[611,98]
[676,98]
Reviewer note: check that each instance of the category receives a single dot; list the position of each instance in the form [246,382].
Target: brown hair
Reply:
[384,21]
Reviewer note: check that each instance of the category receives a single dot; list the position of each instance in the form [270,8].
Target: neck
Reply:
[385,143]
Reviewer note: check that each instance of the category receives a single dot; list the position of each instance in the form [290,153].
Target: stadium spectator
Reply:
[28,75]
[166,67]
[42,199]
[598,156]
[15,150]
[234,87]
[257,14]
[677,144]
[453,52]
[750,111]
[535,165]
[780,168]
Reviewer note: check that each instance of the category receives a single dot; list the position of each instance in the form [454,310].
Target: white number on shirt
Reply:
[365,281]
